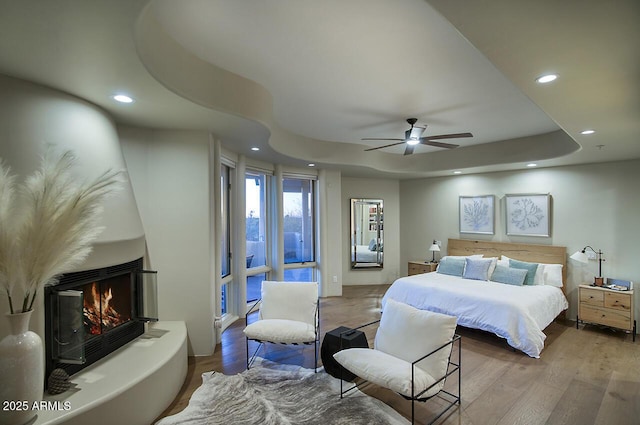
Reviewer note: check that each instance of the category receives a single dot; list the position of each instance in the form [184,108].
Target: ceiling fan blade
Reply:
[409,149]
[438,144]
[447,136]
[381,138]
[385,146]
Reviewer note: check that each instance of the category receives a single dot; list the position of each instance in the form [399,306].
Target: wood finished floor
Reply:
[584,376]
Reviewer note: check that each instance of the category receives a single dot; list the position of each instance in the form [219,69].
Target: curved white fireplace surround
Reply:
[33,116]
[132,386]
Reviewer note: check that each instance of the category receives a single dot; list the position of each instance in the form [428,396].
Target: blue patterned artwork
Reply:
[528,215]
[477,214]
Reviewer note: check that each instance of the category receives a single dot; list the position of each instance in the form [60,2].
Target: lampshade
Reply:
[584,258]
[434,247]
[580,256]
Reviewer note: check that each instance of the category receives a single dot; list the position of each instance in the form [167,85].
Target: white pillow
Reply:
[503,262]
[289,301]
[553,275]
[385,370]
[281,331]
[408,333]
[492,266]
[538,279]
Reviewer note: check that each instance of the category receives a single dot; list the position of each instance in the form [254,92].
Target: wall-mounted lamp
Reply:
[584,258]
[434,248]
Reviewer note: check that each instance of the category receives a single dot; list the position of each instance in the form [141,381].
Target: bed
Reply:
[518,314]
[362,254]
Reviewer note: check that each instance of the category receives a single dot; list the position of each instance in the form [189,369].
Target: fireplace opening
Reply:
[90,314]
[106,304]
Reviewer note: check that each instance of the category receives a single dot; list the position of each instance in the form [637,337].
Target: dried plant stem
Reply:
[53,225]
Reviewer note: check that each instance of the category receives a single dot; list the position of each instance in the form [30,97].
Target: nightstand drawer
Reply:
[417,267]
[606,316]
[592,296]
[618,301]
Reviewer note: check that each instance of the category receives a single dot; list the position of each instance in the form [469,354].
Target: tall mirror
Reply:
[367,241]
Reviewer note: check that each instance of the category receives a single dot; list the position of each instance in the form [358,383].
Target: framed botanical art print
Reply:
[477,214]
[528,214]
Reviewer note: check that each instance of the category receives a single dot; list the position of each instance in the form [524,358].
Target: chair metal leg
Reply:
[251,359]
[315,348]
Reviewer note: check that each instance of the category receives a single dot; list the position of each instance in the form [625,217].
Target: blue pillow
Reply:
[372,245]
[477,268]
[452,266]
[531,269]
[508,275]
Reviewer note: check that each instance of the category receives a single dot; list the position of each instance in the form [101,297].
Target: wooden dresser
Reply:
[419,267]
[604,306]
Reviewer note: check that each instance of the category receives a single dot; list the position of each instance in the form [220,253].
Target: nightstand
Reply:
[419,267]
[604,306]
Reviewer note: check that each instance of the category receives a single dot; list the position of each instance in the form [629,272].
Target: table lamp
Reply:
[583,258]
[434,248]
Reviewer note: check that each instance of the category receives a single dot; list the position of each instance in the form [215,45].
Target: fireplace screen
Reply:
[106,304]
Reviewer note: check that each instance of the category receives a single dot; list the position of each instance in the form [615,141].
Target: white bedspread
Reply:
[517,313]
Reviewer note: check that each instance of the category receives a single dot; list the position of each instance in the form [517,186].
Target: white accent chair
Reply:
[411,355]
[289,314]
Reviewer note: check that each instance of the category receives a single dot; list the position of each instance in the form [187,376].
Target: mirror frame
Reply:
[374,228]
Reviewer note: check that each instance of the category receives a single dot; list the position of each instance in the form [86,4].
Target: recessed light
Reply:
[122,98]
[457,172]
[547,78]
[311,164]
[531,164]
[255,148]
[585,132]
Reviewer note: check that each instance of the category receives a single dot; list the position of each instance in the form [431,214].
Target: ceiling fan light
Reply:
[413,142]
[416,132]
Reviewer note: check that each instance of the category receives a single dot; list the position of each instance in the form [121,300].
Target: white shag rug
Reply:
[273,394]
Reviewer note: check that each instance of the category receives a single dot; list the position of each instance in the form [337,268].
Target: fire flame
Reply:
[99,313]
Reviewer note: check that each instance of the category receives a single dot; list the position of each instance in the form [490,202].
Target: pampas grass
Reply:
[48,229]
[7,196]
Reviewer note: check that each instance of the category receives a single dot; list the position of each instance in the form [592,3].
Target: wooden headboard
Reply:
[548,254]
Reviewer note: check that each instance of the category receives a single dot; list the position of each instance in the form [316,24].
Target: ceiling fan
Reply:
[413,136]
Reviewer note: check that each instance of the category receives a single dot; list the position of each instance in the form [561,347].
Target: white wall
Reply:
[388,191]
[331,234]
[170,175]
[595,204]
[31,117]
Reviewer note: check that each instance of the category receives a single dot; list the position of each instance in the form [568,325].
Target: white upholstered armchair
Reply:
[289,314]
[411,355]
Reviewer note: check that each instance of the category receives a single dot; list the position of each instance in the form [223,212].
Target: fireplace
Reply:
[92,313]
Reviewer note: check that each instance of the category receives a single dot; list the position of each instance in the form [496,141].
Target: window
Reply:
[302,274]
[225,237]
[298,202]
[256,228]
[254,286]
[225,241]
[299,218]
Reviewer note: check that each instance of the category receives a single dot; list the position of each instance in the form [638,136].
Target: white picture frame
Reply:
[477,214]
[528,214]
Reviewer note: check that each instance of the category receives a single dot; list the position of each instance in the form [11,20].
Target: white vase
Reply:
[21,371]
